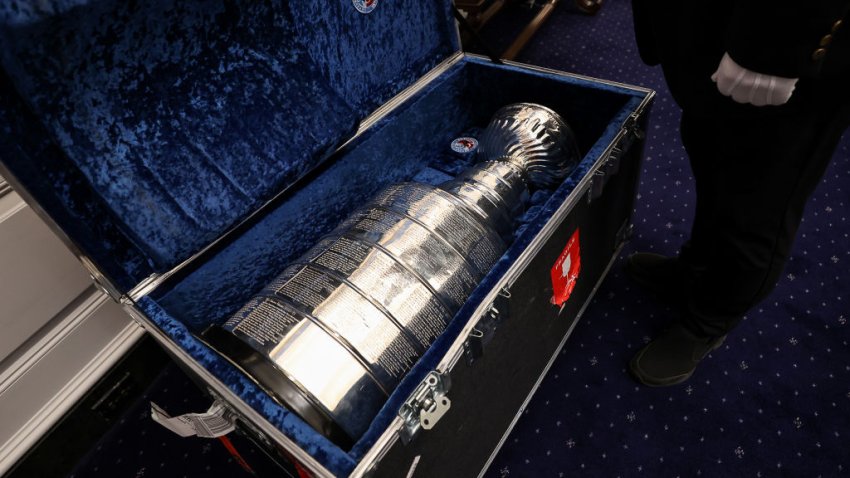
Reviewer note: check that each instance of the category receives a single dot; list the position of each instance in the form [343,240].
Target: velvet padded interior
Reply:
[180,118]
[367,59]
[147,129]
[412,142]
[63,192]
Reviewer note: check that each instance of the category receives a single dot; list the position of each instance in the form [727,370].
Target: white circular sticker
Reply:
[365,6]
[464,145]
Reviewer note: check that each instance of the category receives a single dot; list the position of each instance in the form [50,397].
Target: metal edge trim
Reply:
[592,79]
[71,318]
[455,352]
[4,187]
[551,361]
[381,447]
[404,95]
[150,284]
[245,411]
[65,398]
[101,280]
[17,206]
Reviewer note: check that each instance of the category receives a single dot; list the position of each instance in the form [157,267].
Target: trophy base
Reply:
[276,384]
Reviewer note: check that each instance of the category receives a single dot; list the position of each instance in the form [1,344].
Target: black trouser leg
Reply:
[754,172]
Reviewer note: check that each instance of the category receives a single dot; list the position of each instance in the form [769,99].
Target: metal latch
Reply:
[611,164]
[485,329]
[632,127]
[426,406]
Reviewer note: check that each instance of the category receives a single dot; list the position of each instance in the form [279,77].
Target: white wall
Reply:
[58,333]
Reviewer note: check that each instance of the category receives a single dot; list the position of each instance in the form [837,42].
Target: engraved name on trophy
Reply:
[334,334]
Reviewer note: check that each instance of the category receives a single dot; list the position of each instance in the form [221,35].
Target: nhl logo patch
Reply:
[365,6]
[464,145]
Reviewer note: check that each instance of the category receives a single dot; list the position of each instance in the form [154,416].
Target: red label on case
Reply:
[565,271]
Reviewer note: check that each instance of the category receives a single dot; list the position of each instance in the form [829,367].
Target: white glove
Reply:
[745,86]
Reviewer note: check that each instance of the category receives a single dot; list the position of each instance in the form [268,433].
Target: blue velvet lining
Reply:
[342,186]
[184,116]
[63,192]
[369,58]
[411,142]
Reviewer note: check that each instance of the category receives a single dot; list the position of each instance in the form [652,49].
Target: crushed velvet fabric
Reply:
[147,129]
[186,116]
[369,58]
[63,192]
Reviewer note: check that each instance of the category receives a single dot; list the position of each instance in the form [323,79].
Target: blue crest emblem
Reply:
[365,6]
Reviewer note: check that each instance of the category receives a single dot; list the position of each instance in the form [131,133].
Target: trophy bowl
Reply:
[536,139]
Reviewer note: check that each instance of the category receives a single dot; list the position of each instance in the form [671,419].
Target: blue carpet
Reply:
[773,401]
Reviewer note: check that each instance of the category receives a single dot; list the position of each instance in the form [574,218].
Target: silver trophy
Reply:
[333,335]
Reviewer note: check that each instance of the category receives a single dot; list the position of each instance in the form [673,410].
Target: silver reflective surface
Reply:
[311,358]
[494,191]
[535,138]
[335,333]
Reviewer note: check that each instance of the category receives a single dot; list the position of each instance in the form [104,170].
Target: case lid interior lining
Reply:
[184,116]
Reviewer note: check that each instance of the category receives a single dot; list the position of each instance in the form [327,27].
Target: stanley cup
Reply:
[333,335]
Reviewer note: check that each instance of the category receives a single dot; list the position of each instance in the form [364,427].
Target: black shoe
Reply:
[672,357]
[663,276]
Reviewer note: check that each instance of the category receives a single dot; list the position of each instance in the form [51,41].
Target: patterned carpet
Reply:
[773,401]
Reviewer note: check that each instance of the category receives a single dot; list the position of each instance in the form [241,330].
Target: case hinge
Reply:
[99,280]
[100,287]
[632,127]
[485,329]
[611,164]
[426,406]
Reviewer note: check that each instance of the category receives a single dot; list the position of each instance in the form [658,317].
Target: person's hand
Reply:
[745,86]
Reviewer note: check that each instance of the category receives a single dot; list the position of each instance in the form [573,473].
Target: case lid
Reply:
[146,130]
